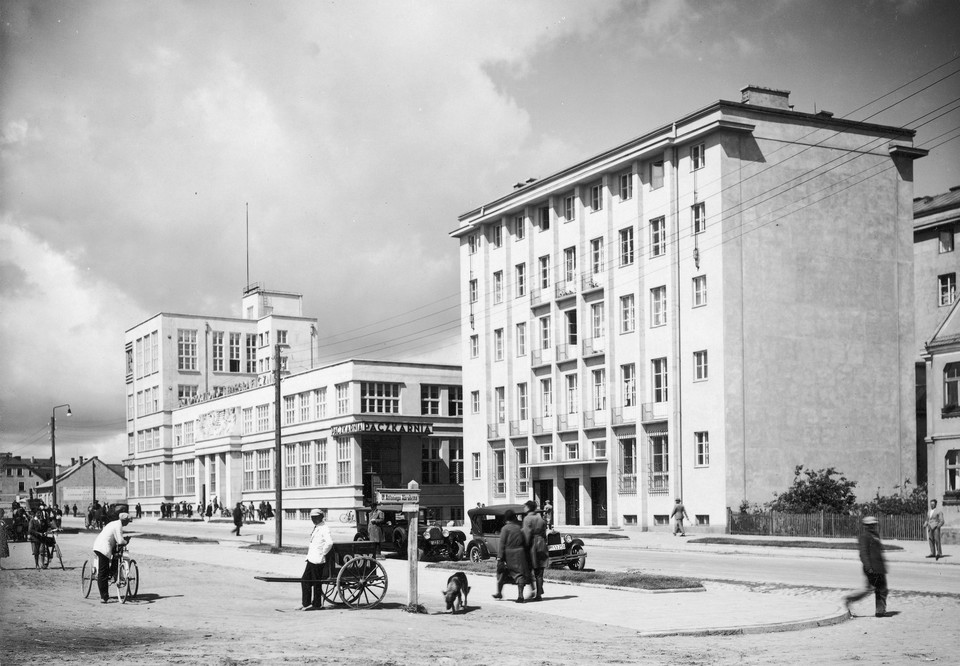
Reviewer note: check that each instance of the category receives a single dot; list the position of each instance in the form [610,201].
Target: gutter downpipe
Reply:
[677,410]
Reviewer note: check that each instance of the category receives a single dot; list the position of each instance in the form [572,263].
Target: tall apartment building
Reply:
[693,313]
[201,416]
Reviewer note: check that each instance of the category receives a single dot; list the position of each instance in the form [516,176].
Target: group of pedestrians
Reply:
[171,509]
[523,552]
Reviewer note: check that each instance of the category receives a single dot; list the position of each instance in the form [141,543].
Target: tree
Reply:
[911,502]
[816,490]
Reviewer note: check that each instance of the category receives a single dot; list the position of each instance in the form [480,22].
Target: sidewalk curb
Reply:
[824,621]
[599,586]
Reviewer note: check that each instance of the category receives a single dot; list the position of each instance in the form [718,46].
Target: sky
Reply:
[135,136]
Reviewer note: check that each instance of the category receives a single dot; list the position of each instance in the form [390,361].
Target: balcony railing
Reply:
[536,297]
[654,411]
[518,428]
[564,289]
[542,424]
[593,346]
[594,419]
[565,352]
[591,281]
[539,357]
[567,422]
[658,482]
[493,431]
[627,414]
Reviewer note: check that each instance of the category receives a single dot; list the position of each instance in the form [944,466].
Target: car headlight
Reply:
[567,539]
[446,534]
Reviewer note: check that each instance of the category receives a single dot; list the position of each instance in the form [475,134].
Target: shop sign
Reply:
[383,427]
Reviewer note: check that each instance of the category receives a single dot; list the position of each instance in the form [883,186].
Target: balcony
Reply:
[542,424]
[654,411]
[595,419]
[566,289]
[591,282]
[540,357]
[622,415]
[536,297]
[518,428]
[493,431]
[567,422]
[566,352]
[593,347]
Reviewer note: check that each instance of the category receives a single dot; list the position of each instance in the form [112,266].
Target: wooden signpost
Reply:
[409,499]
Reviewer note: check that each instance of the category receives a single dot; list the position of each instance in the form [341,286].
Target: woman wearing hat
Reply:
[512,562]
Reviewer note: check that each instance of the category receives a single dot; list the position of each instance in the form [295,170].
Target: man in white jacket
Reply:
[105,547]
[321,542]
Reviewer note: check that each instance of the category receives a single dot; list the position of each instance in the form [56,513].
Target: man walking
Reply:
[237,518]
[875,569]
[934,523]
[535,534]
[320,544]
[679,513]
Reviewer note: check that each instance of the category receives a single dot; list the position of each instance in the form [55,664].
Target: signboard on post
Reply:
[409,497]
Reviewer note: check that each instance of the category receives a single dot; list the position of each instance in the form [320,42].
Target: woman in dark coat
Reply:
[512,561]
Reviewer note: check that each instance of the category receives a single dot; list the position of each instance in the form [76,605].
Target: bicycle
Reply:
[48,550]
[127,581]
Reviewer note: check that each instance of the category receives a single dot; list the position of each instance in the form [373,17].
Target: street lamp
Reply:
[53,444]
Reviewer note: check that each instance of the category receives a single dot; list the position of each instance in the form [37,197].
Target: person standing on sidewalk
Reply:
[934,523]
[513,563]
[874,567]
[321,542]
[375,525]
[679,513]
[535,534]
[237,518]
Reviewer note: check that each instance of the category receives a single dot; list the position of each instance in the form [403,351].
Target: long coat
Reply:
[513,555]
[375,526]
[871,552]
[535,534]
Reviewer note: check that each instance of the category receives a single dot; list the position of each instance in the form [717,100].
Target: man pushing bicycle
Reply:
[105,548]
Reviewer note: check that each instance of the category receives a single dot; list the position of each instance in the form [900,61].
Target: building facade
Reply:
[83,481]
[19,476]
[693,313]
[202,417]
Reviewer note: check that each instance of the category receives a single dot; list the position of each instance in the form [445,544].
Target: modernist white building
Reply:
[693,313]
[201,416]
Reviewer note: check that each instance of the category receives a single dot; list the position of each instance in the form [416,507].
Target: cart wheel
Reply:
[329,590]
[133,579]
[362,582]
[87,575]
[56,549]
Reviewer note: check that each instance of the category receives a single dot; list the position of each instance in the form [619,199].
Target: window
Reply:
[700,365]
[702,518]
[263,418]
[658,237]
[498,344]
[545,332]
[289,409]
[626,186]
[456,460]
[344,462]
[570,264]
[248,471]
[289,465]
[658,306]
[497,231]
[698,218]
[627,314]
[304,402]
[599,378]
[702,442]
[234,352]
[522,339]
[265,469]
[498,287]
[500,402]
[430,461]
[519,228]
[546,453]
[626,246]
[659,371]
[946,241]
[455,401]
[596,256]
[264,339]
[656,175]
[573,393]
[628,465]
[139,356]
[473,242]
[545,272]
[379,398]
[343,399]
[475,465]
[474,294]
[522,401]
[218,351]
[523,471]
[281,337]
[598,320]
[599,449]
[320,402]
[948,288]
[521,279]
[306,464]
[569,207]
[474,346]
[698,157]
[186,349]
[543,216]
[573,450]
[186,393]
[952,469]
[596,197]
[429,400]
[322,476]
[951,385]
[251,352]
[699,291]
[628,375]
[475,402]
[659,464]
[546,397]
[570,316]
[500,471]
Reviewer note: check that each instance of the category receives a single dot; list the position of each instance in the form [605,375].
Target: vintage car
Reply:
[487,521]
[433,541]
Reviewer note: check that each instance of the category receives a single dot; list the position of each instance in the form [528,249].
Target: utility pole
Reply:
[93,469]
[277,457]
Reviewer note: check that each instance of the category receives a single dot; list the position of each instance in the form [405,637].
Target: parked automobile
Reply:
[487,521]
[433,540]
[112,511]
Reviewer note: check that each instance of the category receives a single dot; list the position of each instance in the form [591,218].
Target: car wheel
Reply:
[361,537]
[475,554]
[579,563]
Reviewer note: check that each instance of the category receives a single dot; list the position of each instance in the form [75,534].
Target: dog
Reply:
[456,592]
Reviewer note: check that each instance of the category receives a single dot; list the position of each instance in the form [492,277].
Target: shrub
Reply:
[816,490]
[914,501]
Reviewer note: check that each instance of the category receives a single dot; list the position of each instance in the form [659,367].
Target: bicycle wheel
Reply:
[56,550]
[122,582]
[87,575]
[133,579]
[44,555]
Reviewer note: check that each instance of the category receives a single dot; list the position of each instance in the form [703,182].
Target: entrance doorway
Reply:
[380,462]
[543,491]
[598,500]
[571,496]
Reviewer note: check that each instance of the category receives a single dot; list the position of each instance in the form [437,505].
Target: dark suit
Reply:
[535,534]
[875,569]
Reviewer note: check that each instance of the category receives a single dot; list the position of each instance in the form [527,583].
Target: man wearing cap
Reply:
[679,513]
[871,556]
[321,542]
[105,547]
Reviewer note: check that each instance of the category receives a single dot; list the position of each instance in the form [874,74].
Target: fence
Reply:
[909,527]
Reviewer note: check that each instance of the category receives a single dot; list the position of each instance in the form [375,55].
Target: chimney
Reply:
[73,461]
[768,97]
[81,460]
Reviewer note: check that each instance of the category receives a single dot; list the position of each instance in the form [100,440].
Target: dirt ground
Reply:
[192,613]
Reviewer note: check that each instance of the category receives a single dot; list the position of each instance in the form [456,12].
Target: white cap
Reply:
[316,512]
